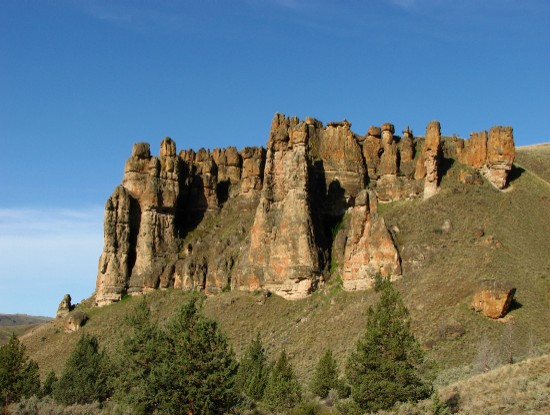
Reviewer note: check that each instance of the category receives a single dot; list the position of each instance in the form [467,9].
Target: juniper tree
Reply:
[282,391]
[253,371]
[325,376]
[383,368]
[137,384]
[18,374]
[86,375]
[197,369]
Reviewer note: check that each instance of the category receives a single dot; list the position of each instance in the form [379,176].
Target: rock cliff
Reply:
[285,218]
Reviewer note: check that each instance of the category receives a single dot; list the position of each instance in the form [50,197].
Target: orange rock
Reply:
[493,299]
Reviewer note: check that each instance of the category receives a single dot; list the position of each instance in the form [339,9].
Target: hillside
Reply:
[18,324]
[441,271]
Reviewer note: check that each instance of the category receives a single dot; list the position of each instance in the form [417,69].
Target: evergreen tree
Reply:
[282,391]
[253,371]
[325,377]
[383,368]
[197,371]
[18,375]
[48,385]
[137,384]
[85,377]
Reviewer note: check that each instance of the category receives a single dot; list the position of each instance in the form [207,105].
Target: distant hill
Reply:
[18,324]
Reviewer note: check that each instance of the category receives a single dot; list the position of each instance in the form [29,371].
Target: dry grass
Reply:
[521,388]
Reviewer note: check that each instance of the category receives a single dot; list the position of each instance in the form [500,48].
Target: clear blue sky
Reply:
[81,81]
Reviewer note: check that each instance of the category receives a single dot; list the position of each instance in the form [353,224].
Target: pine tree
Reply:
[137,384]
[18,375]
[48,385]
[383,368]
[282,391]
[325,377]
[253,371]
[198,368]
[85,377]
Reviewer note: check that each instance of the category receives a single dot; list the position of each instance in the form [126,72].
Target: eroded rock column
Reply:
[369,248]
[428,163]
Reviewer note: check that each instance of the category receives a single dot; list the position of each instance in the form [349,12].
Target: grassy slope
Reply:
[18,324]
[520,388]
[437,289]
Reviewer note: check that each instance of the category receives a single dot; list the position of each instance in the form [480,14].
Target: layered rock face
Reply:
[492,154]
[428,163]
[283,256]
[369,249]
[278,218]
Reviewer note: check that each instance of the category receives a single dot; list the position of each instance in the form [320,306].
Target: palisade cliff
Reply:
[285,218]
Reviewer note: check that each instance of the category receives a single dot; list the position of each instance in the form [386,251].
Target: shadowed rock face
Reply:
[256,218]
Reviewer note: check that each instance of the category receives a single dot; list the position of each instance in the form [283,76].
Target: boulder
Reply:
[75,321]
[493,299]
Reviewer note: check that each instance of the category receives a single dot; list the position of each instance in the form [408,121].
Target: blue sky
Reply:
[81,81]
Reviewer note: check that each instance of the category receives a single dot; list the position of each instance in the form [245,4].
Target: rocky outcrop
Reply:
[154,184]
[492,154]
[407,152]
[118,247]
[272,219]
[75,321]
[65,307]
[283,255]
[493,299]
[428,162]
[369,250]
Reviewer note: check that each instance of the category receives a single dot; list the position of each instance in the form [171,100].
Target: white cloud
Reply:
[45,254]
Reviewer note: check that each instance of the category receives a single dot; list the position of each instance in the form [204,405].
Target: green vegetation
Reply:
[383,369]
[325,377]
[253,371]
[86,376]
[282,391]
[18,374]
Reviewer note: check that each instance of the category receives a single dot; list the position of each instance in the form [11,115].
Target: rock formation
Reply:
[75,321]
[491,154]
[428,162]
[283,256]
[65,307]
[281,219]
[369,248]
[493,299]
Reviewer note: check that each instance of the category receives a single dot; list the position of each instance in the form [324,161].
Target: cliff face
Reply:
[284,218]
